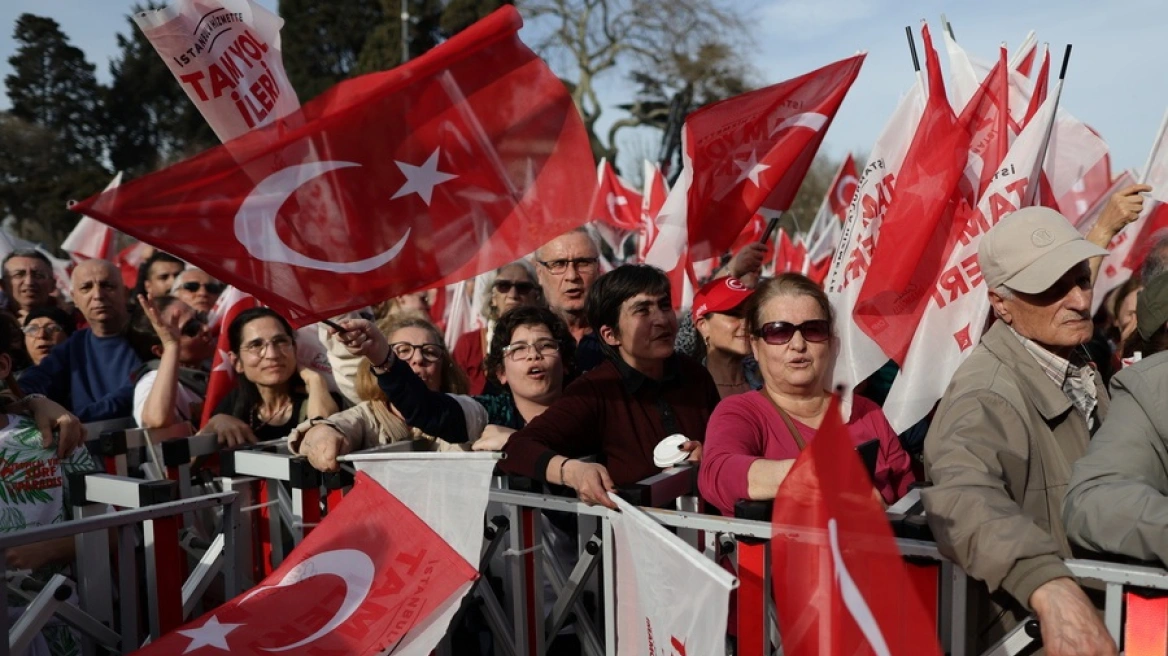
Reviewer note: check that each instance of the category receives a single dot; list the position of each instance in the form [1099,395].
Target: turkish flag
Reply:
[748,153]
[840,585]
[652,200]
[458,162]
[939,184]
[616,204]
[92,239]
[366,580]
[129,259]
[222,380]
[751,234]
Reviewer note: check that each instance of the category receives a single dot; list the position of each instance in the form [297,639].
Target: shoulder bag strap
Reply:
[786,420]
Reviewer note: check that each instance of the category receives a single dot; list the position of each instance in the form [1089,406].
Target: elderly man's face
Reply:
[1059,318]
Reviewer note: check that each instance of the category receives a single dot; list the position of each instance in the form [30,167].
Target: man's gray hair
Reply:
[583,230]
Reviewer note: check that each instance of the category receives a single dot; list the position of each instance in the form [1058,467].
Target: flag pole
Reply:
[1155,147]
[912,49]
[948,27]
[1032,189]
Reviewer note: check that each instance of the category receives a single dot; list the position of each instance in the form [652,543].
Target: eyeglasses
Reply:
[21,274]
[194,326]
[582,264]
[213,288]
[431,353]
[505,286]
[777,333]
[256,349]
[524,350]
[49,330]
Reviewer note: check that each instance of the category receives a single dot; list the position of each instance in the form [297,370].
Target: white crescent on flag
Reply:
[812,120]
[853,598]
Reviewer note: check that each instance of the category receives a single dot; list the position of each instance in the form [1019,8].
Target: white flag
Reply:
[859,356]
[1157,169]
[670,599]
[449,492]
[226,56]
[92,239]
[955,315]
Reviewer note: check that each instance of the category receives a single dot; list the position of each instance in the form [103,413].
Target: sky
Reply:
[1110,85]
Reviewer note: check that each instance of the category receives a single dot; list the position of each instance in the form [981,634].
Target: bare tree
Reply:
[674,49]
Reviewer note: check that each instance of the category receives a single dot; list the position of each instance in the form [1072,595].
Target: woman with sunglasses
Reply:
[753,439]
[268,400]
[44,328]
[170,388]
[530,355]
[514,285]
[197,289]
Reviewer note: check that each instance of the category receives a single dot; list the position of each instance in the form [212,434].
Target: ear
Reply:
[501,375]
[754,348]
[703,327]
[609,335]
[1000,308]
[235,363]
[156,350]
[5,365]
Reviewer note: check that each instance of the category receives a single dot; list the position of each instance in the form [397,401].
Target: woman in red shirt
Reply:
[749,446]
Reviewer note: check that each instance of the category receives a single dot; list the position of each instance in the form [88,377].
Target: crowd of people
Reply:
[578,374]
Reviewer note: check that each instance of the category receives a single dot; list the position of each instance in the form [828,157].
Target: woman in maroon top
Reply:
[750,447]
[621,409]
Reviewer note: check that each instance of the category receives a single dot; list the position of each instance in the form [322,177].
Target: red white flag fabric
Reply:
[745,154]
[222,380]
[1023,58]
[226,56]
[448,491]
[841,587]
[670,599]
[956,301]
[859,355]
[90,239]
[1157,173]
[920,215]
[652,200]
[460,161]
[617,203]
[129,259]
[365,581]
[1128,250]
[834,208]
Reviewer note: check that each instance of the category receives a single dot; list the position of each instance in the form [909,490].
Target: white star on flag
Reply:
[224,363]
[211,634]
[421,180]
[750,169]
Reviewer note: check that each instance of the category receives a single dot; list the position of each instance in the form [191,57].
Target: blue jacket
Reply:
[88,374]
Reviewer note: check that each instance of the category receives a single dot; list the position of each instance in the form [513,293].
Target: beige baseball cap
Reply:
[1029,250]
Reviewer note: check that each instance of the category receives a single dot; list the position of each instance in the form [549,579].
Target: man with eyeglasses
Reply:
[197,289]
[28,281]
[91,372]
[566,267]
[1016,416]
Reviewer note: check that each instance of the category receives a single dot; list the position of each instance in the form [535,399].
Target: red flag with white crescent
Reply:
[365,581]
[652,200]
[90,239]
[617,204]
[841,587]
[745,154]
[460,161]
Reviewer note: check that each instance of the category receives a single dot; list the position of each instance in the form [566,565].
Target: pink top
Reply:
[746,427]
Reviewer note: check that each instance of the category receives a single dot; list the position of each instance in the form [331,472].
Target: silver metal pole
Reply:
[405,30]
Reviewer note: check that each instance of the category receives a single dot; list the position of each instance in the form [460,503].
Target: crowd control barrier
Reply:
[182,525]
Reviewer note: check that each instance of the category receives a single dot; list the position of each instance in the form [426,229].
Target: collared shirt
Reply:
[635,381]
[1076,378]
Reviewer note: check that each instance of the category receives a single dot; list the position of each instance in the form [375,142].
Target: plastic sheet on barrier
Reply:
[670,599]
[449,492]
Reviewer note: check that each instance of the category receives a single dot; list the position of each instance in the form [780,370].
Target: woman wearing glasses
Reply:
[171,387]
[44,328]
[753,438]
[197,289]
[269,399]
[514,285]
[530,353]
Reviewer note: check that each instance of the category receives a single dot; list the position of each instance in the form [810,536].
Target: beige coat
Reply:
[999,453]
[369,424]
[1118,499]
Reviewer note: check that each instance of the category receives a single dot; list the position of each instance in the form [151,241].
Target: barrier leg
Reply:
[1146,631]
[269,522]
[163,575]
[753,594]
[93,557]
[306,509]
[38,613]
[128,588]
[533,588]
[954,597]
[609,555]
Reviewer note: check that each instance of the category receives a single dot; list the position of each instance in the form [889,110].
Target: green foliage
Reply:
[323,41]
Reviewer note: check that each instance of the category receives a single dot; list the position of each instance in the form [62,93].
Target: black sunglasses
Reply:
[211,287]
[778,333]
[504,287]
[193,326]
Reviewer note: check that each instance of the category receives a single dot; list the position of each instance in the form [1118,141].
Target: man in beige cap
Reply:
[1015,417]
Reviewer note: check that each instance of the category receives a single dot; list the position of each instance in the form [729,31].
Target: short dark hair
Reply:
[144,269]
[59,317]
[612,289]
[530,315]
[9,330]
[26,252]
[235,330]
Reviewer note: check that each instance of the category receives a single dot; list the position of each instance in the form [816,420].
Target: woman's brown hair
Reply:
[784,284]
